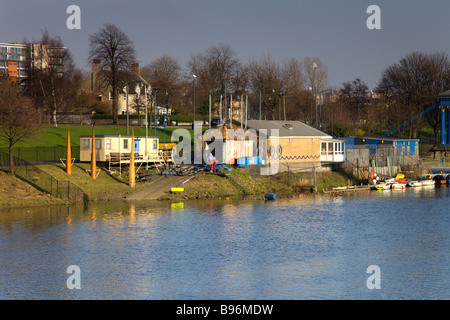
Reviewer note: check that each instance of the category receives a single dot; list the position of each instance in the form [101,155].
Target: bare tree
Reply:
[18,117]
[116,51]
[273,81]
[264,75]
[411,86]
[165,73]
[316,73]
[218,72]
[53,80]
[354,94]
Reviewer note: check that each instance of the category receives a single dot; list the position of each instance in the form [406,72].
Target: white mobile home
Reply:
[114,148]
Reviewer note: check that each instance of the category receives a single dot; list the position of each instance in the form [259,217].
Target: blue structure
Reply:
[443,105]
[403,147]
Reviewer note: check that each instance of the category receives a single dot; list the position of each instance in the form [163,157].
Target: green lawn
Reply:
[50,136]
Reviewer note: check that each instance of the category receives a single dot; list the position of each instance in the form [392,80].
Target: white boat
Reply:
[426,183]
[399,186]
[382,186]
[415,183]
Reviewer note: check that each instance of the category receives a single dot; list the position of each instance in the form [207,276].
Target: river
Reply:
[316,247]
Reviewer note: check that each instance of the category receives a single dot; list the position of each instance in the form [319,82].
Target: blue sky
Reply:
[333,30]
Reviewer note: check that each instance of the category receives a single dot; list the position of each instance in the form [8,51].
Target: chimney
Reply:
[136,69]
[97,66]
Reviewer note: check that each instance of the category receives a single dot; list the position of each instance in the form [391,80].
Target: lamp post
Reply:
[126,91]
[315,89]
[279,106]
[146,124]
[193,100]
[128,117]
[165,112]
[260,92]
[156,106]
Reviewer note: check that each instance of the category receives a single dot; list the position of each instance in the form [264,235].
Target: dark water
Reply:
[305,248]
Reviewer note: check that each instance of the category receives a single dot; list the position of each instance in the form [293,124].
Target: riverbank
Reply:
[114,186]
[228,184]
[17,193]
[241,185]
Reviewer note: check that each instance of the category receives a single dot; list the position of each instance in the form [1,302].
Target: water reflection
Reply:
[315,247]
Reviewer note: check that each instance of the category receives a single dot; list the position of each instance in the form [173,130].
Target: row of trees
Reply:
[285,89]
[406,89]
[220,73]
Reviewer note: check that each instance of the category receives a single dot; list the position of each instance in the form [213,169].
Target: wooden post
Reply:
[132,173]
[93,157]
[68,154]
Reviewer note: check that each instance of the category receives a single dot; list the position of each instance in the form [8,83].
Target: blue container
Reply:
[259,160]
[270,196]
[247,161]
[240,162]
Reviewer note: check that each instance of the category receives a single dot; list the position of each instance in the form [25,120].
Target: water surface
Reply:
[303,248]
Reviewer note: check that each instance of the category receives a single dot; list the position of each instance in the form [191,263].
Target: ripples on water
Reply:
[304,248]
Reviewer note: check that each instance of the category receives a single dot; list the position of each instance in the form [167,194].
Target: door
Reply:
[136,147]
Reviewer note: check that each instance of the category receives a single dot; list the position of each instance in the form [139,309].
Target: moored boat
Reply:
[427,183]
[415,183]
[398,186]
[382,186]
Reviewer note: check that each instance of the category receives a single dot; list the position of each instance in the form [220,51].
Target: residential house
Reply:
[99,84]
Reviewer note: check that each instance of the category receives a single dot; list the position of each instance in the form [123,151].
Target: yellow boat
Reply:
[382,186]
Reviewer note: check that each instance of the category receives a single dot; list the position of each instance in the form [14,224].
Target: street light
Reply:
[315,89]
[279,105]
[260,90]
[156,106]
[126,91]
[165,112]
[193,86]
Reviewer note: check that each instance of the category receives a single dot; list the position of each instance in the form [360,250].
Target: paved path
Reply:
[158,188]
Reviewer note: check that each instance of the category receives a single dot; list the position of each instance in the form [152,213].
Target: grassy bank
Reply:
[49,136]
[105,187]
[205,186]
[17,193]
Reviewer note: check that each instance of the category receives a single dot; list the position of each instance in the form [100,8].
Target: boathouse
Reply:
[296,145]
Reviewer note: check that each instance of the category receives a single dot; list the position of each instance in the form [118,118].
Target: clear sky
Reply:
[333,30]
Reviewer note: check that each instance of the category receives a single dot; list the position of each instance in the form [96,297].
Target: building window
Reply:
[108,144]
[98,144]
[324,148]
[85,144]
[125,143]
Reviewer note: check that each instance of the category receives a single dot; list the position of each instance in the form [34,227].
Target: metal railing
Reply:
[43,181]
[42,155]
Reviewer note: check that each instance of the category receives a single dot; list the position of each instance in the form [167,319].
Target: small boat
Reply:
[415,183]
[427,183]
[382,186]
[399,186]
